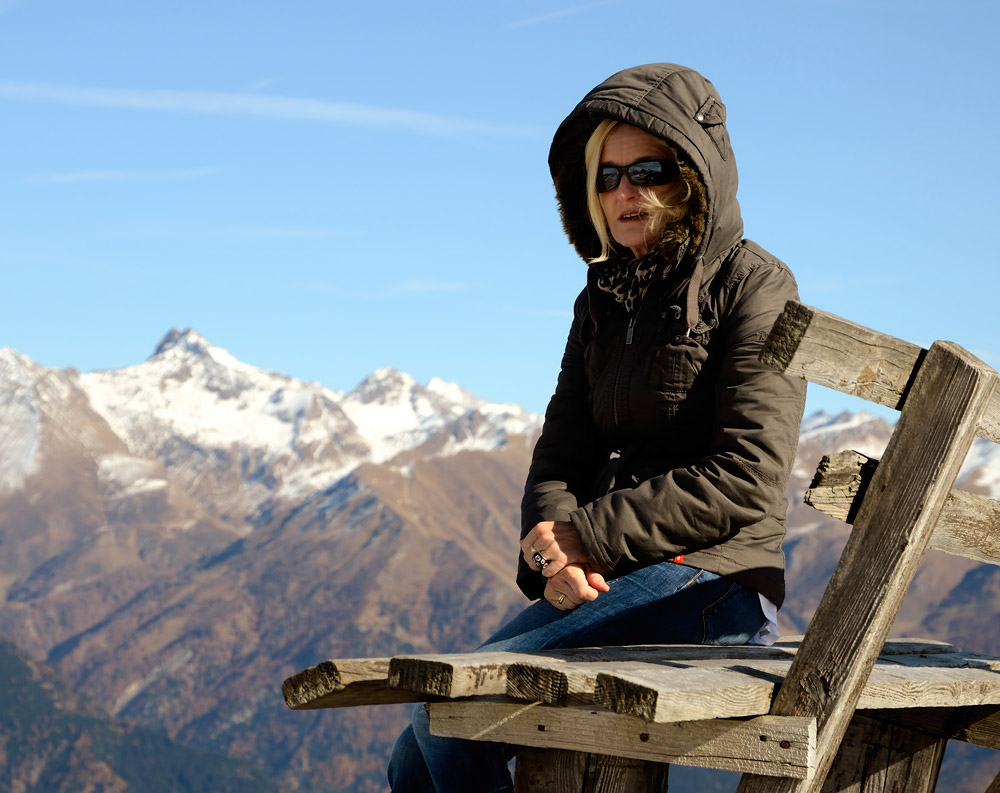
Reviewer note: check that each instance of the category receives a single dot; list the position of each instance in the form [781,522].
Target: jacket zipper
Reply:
[621,366]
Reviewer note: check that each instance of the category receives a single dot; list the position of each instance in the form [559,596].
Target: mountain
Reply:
[179,536]
[53,741]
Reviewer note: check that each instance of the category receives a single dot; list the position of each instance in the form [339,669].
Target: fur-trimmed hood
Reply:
[673,103]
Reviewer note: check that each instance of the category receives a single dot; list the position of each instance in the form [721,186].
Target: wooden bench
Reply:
[840,708]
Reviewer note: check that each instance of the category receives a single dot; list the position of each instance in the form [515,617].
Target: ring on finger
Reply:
[560,599]
[539,560]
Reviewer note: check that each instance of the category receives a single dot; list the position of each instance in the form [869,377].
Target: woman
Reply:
[654,507]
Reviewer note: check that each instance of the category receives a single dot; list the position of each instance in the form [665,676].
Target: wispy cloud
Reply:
[123,176]
[565,12]
[250,105]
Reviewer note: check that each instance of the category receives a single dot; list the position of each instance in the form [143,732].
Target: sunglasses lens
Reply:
[608,179]
[654,172]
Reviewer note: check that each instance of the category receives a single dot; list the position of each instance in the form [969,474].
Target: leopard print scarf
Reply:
[628,283]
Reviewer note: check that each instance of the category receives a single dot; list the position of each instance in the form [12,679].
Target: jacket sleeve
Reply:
[564,458]
[742,477]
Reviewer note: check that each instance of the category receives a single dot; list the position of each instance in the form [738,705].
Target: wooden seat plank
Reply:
[365,681]
[344,683]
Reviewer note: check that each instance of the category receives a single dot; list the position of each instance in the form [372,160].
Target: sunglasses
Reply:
[647,173]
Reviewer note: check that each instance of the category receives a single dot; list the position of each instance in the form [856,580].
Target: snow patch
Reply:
[19,419]
[135,688]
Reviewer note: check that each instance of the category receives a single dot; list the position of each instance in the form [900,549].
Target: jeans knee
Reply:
[407,769]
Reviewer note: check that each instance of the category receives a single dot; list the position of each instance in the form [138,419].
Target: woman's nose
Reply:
[626,189]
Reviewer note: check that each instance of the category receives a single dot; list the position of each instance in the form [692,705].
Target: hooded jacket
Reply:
[666,436]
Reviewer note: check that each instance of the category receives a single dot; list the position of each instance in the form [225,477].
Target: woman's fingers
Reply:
[560,600]
[571,587]
[596,580]
[551,545]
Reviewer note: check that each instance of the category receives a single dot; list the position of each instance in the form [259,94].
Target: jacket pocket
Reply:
[676,364]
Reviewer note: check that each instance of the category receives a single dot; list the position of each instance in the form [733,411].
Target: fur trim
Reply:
[692,225]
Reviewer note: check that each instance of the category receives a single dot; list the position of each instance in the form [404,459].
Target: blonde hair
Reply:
[661,209]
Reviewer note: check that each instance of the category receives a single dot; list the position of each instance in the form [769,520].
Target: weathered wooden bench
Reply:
[841,708]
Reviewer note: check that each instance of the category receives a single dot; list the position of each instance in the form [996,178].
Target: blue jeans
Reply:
[663,604]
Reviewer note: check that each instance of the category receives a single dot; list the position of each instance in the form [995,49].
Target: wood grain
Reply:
[943,407]
[767,745]
[343,683]
[881,756]
[558,771]
[979,725]
[831,351]
[968,525]
[485,674]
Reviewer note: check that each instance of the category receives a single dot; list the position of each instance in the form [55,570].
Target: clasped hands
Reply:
[570,580]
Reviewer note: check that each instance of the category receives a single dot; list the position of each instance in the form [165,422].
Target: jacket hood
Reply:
[677,105]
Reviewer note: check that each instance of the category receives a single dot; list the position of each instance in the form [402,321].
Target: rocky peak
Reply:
[186,340]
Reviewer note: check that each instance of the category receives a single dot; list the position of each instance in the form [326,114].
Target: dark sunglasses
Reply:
[647,173]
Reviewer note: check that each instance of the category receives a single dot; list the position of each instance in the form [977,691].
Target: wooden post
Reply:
[562,771]
[879,755]
[943,408]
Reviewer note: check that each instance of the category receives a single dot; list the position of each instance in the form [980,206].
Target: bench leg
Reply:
[877,755]
[562,771]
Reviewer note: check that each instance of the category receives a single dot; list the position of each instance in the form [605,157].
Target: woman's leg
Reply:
[663,604]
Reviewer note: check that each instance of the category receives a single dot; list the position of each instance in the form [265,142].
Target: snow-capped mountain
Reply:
[869,435]
[207,416]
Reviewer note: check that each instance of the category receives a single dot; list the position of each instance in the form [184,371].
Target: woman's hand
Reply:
[557,542]
[574,585]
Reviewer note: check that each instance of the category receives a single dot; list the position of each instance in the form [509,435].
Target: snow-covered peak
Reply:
[19,417]
[187,340]
[452,393]
[384,386]
[195,395]
[821,423]
[206,415]
[395,413]
[862,431]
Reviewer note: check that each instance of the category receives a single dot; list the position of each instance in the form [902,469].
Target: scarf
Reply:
[628,279]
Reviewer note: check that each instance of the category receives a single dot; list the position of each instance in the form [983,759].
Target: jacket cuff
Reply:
[596,555]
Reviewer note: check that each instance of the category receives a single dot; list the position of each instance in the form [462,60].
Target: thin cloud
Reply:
[123,176]
[246,105]
[523,23]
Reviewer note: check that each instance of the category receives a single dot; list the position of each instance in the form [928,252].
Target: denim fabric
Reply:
[662,604]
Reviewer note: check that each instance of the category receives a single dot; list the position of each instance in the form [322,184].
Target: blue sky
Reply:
[326,188]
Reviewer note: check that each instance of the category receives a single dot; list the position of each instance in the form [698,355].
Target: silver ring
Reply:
[540,560]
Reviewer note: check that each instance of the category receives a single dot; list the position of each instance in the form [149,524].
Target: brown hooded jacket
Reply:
[672,439]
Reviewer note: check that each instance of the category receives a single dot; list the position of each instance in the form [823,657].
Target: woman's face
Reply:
[626,221]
